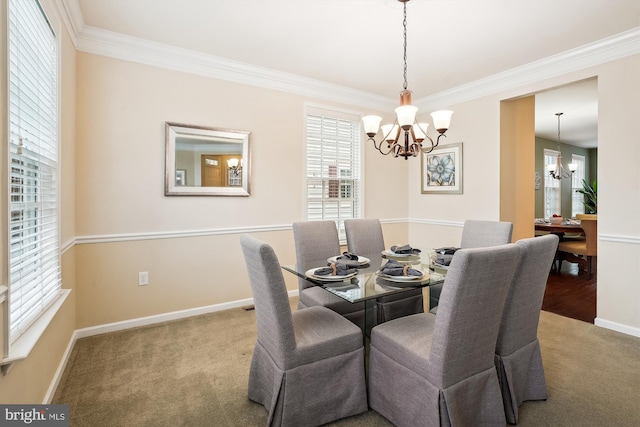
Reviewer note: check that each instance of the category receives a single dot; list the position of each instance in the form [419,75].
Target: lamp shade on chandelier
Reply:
[404,137]
[558,171]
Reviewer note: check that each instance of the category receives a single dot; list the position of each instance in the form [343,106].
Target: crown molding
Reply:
[605,50]
[106,43]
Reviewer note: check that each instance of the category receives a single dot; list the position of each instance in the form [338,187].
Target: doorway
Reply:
[570,292]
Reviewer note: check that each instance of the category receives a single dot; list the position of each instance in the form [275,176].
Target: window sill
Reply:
[21,348]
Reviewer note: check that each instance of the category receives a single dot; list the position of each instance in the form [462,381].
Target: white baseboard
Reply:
[61,366]
[134,323]
[617,327]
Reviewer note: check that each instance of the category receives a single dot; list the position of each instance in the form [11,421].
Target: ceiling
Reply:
[358,44]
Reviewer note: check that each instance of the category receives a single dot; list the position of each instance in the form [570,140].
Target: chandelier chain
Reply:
[559,114]
[404,138]
[404,24]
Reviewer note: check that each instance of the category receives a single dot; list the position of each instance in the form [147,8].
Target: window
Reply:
[551,186]
[577,199]
[334,176]
[34,250]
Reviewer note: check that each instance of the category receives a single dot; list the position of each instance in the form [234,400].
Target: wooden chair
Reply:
[578,250]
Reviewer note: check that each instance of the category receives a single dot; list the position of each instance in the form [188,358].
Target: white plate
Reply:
[328,278]
[387,252]
[399,278]
[361,260]
[440,266]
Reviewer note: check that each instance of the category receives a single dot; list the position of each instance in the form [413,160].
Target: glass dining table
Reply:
[368,284]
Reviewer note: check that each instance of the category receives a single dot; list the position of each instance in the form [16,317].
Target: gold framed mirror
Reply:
[206,161]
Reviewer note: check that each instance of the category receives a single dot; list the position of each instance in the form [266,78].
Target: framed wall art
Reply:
[442,170]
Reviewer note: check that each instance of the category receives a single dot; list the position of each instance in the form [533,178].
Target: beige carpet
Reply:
[193,372]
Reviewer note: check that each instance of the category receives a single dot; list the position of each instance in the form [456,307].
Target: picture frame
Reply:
[181,177]
[442,169]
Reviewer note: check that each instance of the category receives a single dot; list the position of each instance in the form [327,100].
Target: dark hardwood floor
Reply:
[571,293]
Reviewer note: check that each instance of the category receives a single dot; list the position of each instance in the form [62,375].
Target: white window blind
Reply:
[551,186]
[34,252]
[577,199]
[334,181]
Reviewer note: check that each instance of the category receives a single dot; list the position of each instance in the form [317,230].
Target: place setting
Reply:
[400,274]
[339,268]
[401,251]
[441,258]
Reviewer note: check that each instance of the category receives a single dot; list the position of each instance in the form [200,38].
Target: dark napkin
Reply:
[446,250]
[444,255]
[394,268]
[405,250]
[443,259]
[335,269]
[348,256]
[349,260]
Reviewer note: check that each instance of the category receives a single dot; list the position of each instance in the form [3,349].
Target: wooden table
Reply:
[560,230]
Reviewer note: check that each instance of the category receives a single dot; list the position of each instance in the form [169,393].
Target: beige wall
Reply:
[106,85]
[122,108]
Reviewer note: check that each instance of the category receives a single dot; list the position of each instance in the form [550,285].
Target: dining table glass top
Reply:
[368,282]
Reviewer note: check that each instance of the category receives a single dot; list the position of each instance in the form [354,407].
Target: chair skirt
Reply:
[407,398]
[521,377]
[302,396]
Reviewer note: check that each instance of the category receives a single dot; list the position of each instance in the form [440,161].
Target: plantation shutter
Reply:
[34,253]
[334,181]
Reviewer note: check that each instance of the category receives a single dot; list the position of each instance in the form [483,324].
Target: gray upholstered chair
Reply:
[518,360]
[364,236]
[477,234]
[308,366]
[439,370]
[316,241]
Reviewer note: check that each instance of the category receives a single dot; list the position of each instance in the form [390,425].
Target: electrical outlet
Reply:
[143,278]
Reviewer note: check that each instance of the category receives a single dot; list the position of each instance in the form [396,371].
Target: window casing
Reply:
[333,166]
[34,249]
[552,194]
[577,199]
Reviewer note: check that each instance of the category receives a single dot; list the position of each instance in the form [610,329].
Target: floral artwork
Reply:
[442,170]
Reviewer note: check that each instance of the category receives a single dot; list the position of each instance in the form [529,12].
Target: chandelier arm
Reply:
[391,147]
[428,150]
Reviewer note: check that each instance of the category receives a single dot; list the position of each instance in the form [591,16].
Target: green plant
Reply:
[590,193]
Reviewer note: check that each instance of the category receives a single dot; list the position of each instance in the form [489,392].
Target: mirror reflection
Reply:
[206,161]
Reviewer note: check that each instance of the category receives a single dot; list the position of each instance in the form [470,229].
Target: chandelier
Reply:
[405,123]
[235,166]
[558,171]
